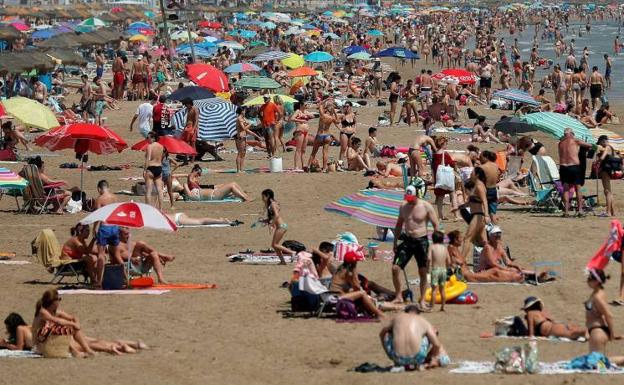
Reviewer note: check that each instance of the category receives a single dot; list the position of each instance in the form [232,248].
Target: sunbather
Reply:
[181,219]
[12,136]
[19,333]
[322,262]
[143,257]
[356,160]
[77,248]
[346,282]
[194,191]
[541,325]
[51,184]
[412,342]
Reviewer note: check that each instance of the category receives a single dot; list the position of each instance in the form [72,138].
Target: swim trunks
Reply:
[438,276]
[491,194]
[108,235]
[571,175]
[595,90]
[412,247]
[415,360]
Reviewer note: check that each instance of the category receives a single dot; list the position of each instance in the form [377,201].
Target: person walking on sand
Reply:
[439,261]
[411,229]
[570,169]
[154,155]
[189,135]
[276,225]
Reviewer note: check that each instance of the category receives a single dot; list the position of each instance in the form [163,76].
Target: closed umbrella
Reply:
[217,119]
[258,83]
[555,125]
[318,57]
[30,113]
[191,92]
[205,75]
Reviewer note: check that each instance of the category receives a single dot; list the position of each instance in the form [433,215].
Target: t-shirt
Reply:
[268,114]
[157,112]
[144,113]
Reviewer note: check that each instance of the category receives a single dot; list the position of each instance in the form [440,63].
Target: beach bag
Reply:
[517,359]
[346,310]
[114,277]
[73,207]
[512,326]
[612,164]
[445,177]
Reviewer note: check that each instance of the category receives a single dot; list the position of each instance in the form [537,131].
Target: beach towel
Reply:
[258,170]
[114,292]
[6,353]
[214,225]
[258,258]
[613,244]
[224,200]
[342,248]
[615,140]
[5,262]
[183,286]
[549,339]
[561,367]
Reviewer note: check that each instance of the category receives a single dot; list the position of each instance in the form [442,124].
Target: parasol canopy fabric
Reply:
[374,207]
[555,125]
[131,214]
[30,113]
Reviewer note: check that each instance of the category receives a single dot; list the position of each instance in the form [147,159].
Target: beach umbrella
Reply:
[117,9]
[171,144]
[43,34]
[318,57]
[20,26]
[268,25]
[138,38]
[131,214]
[257,83]
[244,33]
[303,71]
[331,36]
[210,24]
[241,67]
[374,207]
[205,75]
[199,51]
[92,22]
[555,124]
[398,52]
[30,113]
[191,92]
[353,49]
[231,44]
[513,126]
[360,56]
[217,119]
[270,55]
[11,181]
[374,32]
[182,35]
[259,100]
[293,61]
[517,96]
[139,24]
[461,75]
[256,43]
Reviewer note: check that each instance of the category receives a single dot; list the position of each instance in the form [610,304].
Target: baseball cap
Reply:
[410,194]
[495,229]
[352,257]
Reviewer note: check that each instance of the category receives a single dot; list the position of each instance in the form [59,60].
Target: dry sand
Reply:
[237,334]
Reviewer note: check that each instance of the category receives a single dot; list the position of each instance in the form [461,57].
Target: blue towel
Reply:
[591,361]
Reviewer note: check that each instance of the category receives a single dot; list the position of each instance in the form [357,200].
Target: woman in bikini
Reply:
[276,224]
[78,248]
[541,325]
[327,117]
[347,130]
[19,333]
[477,216]
[604,172]
[196,192]
[300,117]
[279,123]
[243,128]
[181,219]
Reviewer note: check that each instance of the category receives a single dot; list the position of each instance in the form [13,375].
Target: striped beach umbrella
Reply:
[241,67]
[217,119]
[374,207]
[555,124]
[270,55]
[318,57]
[93,22]
[517,96]
[257,83]
[11,181]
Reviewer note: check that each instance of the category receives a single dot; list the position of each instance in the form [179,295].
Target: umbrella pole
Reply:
[81,173]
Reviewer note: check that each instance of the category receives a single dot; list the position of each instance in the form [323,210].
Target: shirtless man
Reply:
[99,98]
[99,63]
[105,235]
[570,169]
[86,100]
[453,103]
[137,75]
[142,256]
[596,86]
[118,77]
[154,155]
[411,341]
[411,229]
[192,123]
[417,166]
[426,88]
[389,169]
[492,176]
[327,117]
[466,161]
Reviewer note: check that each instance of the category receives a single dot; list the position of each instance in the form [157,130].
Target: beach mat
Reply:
[114,292]
[258,259]
[485,367]
[6,353]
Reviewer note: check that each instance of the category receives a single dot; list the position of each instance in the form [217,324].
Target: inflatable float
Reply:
[465,298]
[453,289]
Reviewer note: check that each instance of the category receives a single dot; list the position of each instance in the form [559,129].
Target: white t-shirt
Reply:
[144,113]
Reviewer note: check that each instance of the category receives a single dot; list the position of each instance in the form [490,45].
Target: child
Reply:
[456,239]
[439,260]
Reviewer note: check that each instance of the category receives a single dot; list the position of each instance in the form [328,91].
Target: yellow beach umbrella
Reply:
[259,100]
[30,113]
[138,37]
[293,61]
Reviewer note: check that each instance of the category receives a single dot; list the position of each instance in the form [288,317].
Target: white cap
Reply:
[494,229]
[140,57]
[401,155]
[410,190]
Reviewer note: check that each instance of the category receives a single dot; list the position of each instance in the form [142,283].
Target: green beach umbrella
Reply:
[555,124]
[259,42]
[258,83]
[360,56]
[93,22]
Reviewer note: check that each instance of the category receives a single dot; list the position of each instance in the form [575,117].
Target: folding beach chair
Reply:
[47,252]
[546,197]
[36,196]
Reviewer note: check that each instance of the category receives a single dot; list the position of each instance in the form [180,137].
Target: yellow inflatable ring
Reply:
[453,289]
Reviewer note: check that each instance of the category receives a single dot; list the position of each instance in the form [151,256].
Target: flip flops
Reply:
[617,302]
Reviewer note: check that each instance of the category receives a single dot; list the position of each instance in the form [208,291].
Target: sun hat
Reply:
[530,301]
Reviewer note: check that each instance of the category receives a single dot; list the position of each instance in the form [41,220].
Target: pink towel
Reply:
[343,248]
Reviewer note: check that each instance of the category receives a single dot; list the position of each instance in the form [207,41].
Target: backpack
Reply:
[345,308]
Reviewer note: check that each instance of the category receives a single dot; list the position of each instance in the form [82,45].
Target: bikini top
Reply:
[193,185]
[346,123]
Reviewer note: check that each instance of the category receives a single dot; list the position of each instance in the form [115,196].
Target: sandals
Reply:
[617,302]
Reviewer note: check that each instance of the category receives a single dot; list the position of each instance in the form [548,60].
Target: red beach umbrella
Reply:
[207,76]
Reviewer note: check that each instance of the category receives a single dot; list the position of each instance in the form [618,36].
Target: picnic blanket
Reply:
[258,258]
[615,140]
[486,367]
[114,292]
[6,353]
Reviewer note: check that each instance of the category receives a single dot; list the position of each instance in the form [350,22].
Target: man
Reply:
[99,63]
[157,117]
[189,135]
[86,100]
[607,76]
[105,235]
[142,257]
[137,75]
[411,229]
[144,114]
[426,87]
[412,342]
[154,155]
[269,113]
[570,169]
[118,77]
[99,97]
[596,86]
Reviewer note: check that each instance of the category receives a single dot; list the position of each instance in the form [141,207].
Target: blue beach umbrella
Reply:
[43,34]
[374,32]
[398,52]
[353,49]
[318,57]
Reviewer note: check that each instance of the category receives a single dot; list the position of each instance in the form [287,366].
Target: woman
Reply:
[541,325]
[300,117]
[356,161]
[478,216]
[607,157]
[195,192]
[346,283]
[51,184]
[327,117]
[395,89]
[13,136]
[603,115]
[587,115]
[598,317]
[443,158]
[347,129]
[181,219]
[167,176]
[276,224]
[279,123]
[78,248]
[243,128]
[19,334]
